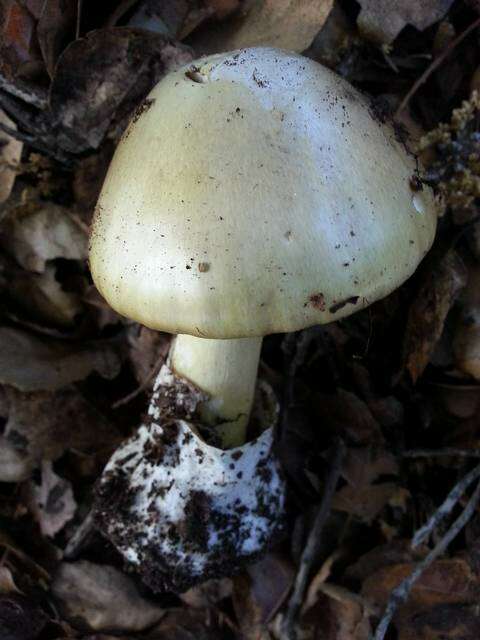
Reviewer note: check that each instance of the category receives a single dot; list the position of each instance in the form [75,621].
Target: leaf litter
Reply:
[395,386]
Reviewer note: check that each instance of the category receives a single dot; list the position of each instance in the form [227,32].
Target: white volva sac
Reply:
[254,192]
[191,507]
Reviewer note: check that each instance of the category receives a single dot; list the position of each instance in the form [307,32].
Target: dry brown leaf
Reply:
[440,287]
[360,497]
[336,615]
[44,234]
[147,348]
[444,582]
[43,298]
[10,153]
[99,308]
[364,503]
[445,622]
[345,412]
[208,593]
[32,364]
[384,555]
[101,78]
[42,425]
[189,624]
[19,53]
[288,24]
[102,597]
[175,18]
[20,619]
[363,466]
[51,503]
[382,20]
[56,27]
[466,344]
[259,593]
[7,583]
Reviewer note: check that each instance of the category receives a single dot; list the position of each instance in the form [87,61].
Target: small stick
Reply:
[128,398]
[80,538]
[446,452]
[434,65]
[446,507]
[401,593]
[310,552]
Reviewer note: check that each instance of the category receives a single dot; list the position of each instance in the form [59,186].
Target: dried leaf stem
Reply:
[310,552]
[401,593]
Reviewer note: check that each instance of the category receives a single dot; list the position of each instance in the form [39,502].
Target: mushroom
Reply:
[254,192]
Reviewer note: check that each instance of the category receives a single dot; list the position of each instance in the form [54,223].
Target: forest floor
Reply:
[380,436]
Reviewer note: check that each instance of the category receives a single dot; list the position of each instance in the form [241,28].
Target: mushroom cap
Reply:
[256,192]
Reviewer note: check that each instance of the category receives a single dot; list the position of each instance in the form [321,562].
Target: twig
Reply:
[438,453]
[401,593]
[310,552]
[446,507]
[128,398]
[80,538]
[78,21]
[435,64]
[34,96]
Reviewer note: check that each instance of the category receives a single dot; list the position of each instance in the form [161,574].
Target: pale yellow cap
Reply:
[256,192]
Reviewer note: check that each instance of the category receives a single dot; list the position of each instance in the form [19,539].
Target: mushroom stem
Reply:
[226,370]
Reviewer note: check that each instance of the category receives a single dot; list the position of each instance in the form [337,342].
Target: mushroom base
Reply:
[181,511]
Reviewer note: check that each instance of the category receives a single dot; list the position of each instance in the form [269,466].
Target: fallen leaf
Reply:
[441,284]
[382,20]
[20,619]
[88,178]
[42,425]
[445,622]
[208,593]
[55,28]
[466,345]
[19,53]
[364,466]
[189,624]
[32,364]
[361,498]
[44,234]
[102,597]
[447,581]
[15,465]
[344,411]
[287,24]
[364,503]
[44,300]
[384,555]
[175,19]
[260,591]
[147,349]
[51,503]
[334,38]
[7,583]
[102,312]
[101,78]
[336,614]
[10,153]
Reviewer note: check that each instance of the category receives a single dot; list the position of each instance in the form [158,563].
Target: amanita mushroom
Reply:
[254,192]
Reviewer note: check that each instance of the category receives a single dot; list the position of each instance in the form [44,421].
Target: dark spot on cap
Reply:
[339,305]
[317,301]
[142,108]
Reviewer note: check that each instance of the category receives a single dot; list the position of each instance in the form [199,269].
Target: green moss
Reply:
[455,167]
